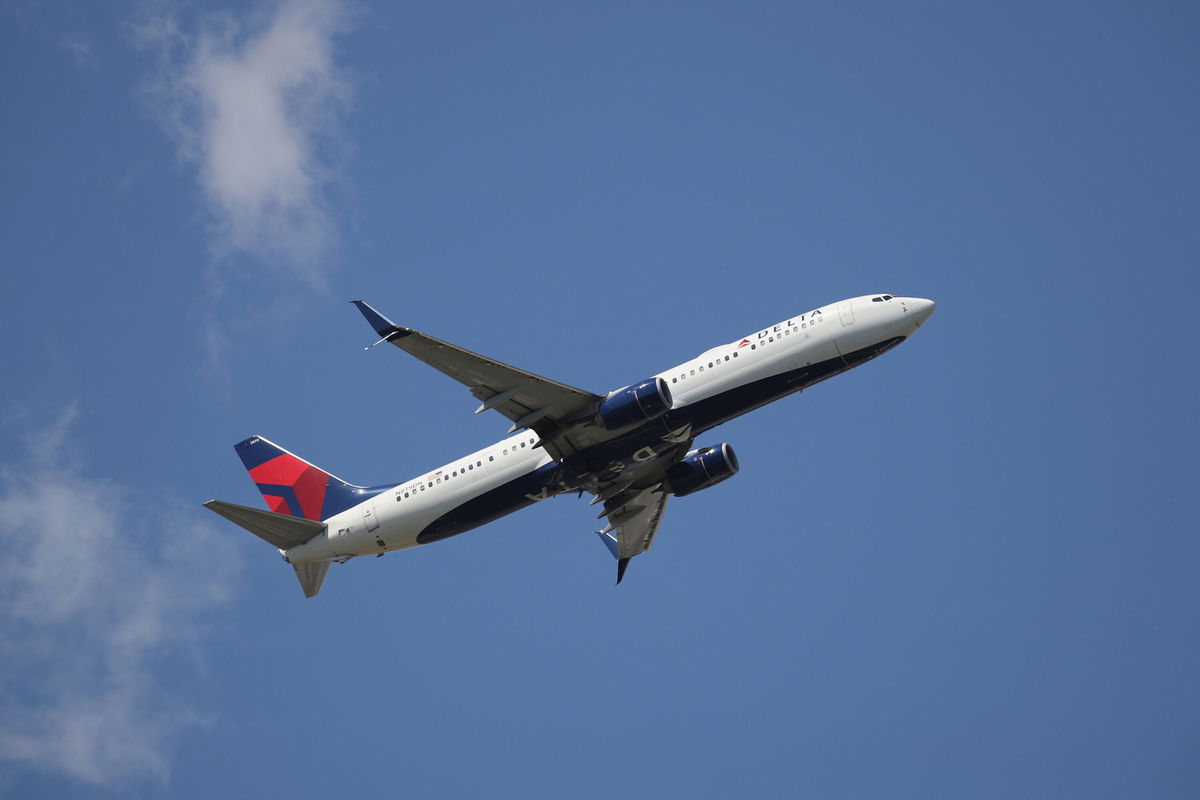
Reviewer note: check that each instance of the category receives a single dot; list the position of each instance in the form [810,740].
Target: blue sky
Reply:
[966,569]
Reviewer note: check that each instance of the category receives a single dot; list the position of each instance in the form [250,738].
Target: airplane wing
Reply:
[530,401]
[633,519]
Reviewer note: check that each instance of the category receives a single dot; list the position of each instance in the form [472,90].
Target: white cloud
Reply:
[98,599]
[256,108]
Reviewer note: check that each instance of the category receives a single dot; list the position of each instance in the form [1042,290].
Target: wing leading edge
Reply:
[530,401]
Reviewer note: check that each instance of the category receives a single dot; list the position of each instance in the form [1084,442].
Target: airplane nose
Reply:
[922,309]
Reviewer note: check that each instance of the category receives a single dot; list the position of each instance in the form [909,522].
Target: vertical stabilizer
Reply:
[290,485]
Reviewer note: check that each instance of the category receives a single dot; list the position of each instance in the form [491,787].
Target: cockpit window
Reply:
[887,297]
[876,299]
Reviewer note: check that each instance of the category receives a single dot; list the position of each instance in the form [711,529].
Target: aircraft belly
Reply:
[478,509]
[712,411]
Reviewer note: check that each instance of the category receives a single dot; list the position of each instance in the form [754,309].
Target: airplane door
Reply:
[369,516]
[846,312]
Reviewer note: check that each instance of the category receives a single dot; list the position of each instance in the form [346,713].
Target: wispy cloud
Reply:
[98,599]
[255,107]
[80,49]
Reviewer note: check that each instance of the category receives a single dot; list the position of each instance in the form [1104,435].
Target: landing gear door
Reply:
[846,313]
[369,516]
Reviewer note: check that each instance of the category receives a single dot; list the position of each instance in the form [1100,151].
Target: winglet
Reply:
[610,542]
[382,325]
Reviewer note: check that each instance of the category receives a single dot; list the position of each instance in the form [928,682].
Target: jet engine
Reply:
[637,403]
[701,469]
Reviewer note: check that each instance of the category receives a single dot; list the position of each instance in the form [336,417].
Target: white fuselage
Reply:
[393,519]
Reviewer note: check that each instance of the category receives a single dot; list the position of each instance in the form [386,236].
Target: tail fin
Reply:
[290,485]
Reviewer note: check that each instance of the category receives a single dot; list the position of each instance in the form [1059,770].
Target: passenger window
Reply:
[753,347]
[522,444]
[726,358]
[735,355]
[491,458]
[674,380]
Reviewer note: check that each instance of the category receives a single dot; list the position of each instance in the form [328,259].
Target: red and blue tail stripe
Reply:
[290,485]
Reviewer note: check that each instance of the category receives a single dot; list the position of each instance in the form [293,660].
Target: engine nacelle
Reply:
[637,403]
[701,469]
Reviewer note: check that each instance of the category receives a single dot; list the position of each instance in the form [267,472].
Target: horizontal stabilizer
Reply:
[311,576]
[281,530]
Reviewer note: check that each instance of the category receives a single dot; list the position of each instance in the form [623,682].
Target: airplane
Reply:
[630,449]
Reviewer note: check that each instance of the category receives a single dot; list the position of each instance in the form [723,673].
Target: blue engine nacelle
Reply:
[637,403]
[701,469]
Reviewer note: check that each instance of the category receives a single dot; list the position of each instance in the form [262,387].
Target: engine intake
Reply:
[637,403]
[701,469]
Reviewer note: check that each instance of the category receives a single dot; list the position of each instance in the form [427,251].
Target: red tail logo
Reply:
[307,484]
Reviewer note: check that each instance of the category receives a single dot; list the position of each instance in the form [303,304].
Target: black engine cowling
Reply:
[637,403]
[701,469]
